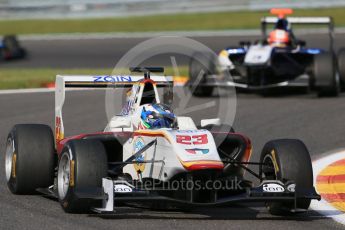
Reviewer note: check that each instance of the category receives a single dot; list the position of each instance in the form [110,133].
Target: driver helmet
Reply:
[279,38]
[155,116]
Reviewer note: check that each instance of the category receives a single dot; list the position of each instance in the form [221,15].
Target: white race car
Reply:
[149,156]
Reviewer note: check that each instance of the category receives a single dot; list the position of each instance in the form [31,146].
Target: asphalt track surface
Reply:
[318,122]
[105,53]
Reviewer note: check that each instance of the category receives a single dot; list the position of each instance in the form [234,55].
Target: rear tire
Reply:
[29,159]
[201,65]
[288,160]
[341,67]
[326,77]
[90,165]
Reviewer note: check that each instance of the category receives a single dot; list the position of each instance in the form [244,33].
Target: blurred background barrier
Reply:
[12,9]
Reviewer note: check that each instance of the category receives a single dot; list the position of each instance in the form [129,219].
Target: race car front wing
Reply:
[215,81]
[114,191]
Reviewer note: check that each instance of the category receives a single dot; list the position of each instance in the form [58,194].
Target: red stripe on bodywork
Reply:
[149,134]
[195,167]
[60,145]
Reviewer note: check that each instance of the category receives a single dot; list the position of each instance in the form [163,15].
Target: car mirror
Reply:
[245,43]
[120,122]
[214,121]
[301,43]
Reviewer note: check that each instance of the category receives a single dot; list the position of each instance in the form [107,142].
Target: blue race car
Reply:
[11,49]
[277,60]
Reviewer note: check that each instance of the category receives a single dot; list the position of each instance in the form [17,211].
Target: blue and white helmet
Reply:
[155,116]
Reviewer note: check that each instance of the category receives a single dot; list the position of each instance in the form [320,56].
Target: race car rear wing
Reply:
[302,21]
[107,81]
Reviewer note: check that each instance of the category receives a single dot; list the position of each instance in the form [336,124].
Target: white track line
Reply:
[43,90]
[20,91]
[323,207]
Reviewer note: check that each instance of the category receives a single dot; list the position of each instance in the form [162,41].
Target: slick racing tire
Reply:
[82,165]
[29,158]
[326,76]
[201,65]
[341,67]
[287,160]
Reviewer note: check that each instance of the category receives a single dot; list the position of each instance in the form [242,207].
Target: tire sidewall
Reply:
[67,201]
[12,183]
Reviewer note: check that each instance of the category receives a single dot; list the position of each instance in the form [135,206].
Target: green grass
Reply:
[36,78]
[174,22]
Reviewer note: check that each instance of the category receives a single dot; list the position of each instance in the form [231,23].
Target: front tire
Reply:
[82,165]
[287,160]
[29,159]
